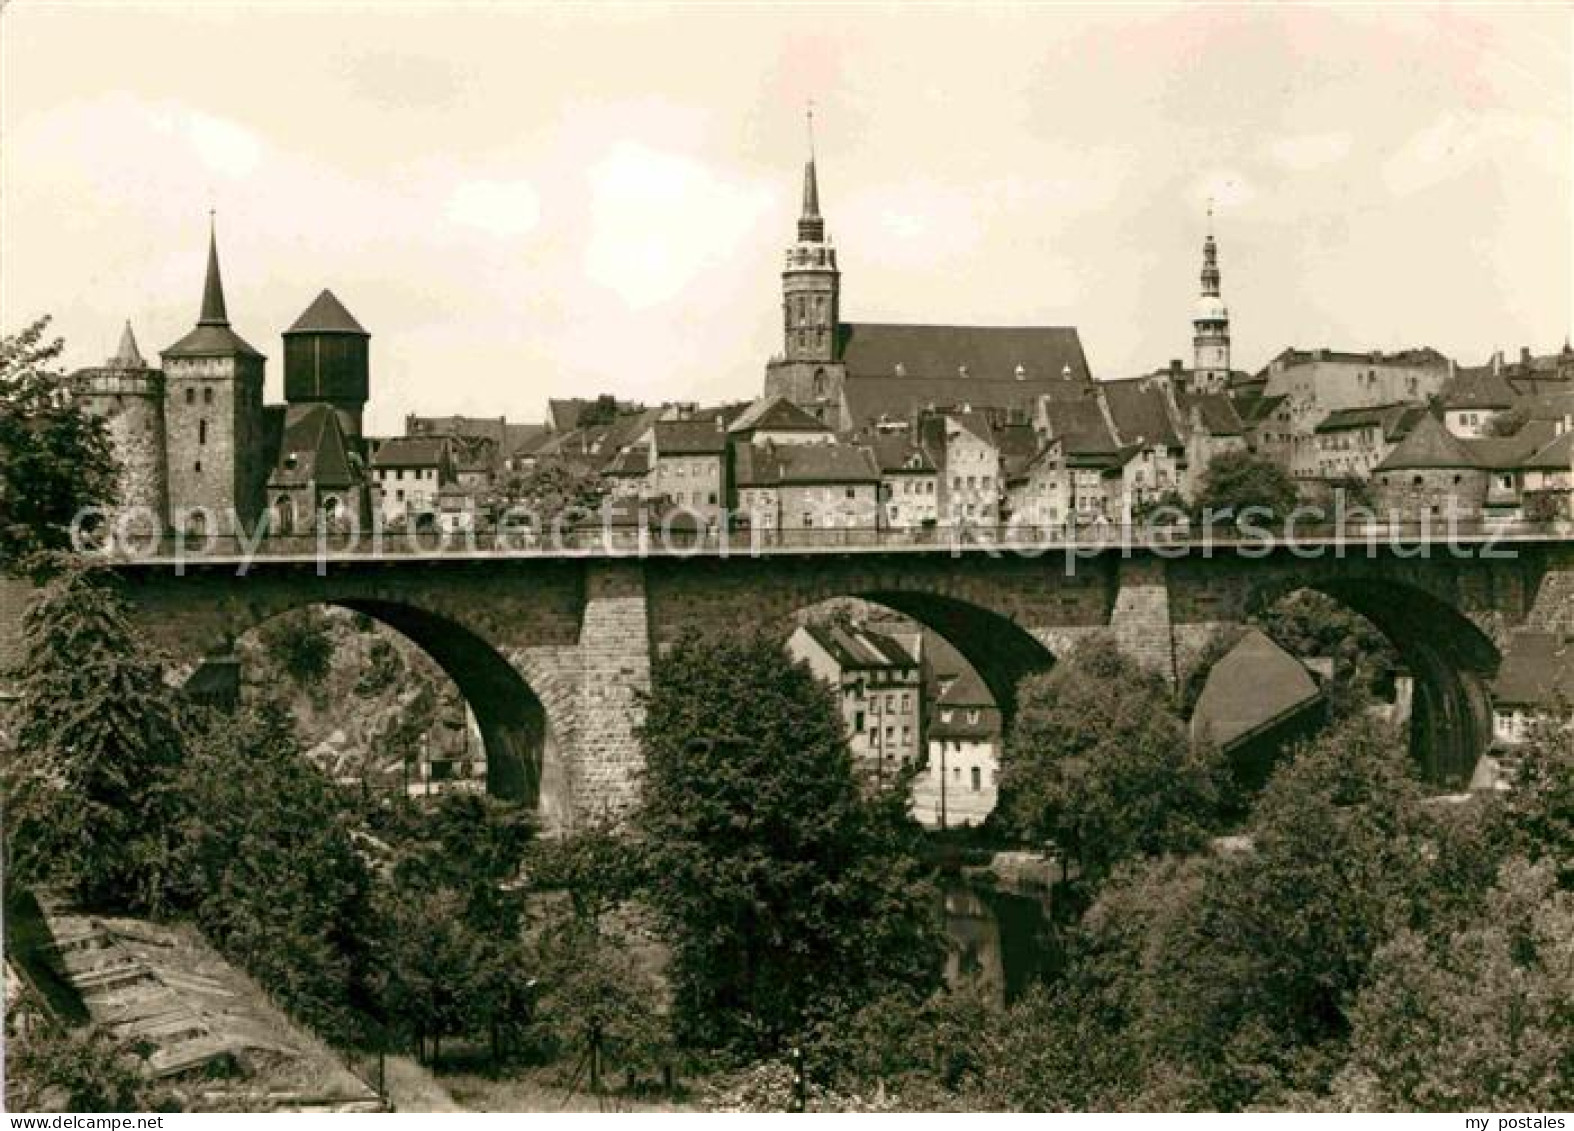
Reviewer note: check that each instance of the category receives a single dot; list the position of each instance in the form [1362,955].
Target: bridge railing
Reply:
[659,542]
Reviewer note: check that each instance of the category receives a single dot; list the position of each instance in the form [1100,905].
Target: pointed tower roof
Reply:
[127,356]
[326,315]
[213,312]
[811,227]
[213,336]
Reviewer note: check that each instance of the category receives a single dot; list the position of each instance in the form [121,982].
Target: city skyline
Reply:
[630,241]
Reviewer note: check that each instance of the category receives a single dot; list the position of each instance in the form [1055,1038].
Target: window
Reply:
[207,395]
[972,717]
[202,431]
[197,467]
[191,395]
[852,492]
[978,776]
[858,721]
[945,716]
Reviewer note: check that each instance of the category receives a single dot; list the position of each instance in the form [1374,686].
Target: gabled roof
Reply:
[1477,388]
[1396,420]
[1017,445]
[1082,430]
[1503,453]
[825,463]
[1254,410]
[966,694]
[1537,671]
[1217,411]
[690,437]
[633,462]
[872,399]
[899,455]
[1428,446]
[1256,684]
[314,449]
[861,649]
[326,315]
[1556,455]
[989,353]
[1139,411]
[777,465]
[412,451]
[776,414]
[563,414]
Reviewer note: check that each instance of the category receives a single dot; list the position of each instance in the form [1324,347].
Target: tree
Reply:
[551,490]
[269,868]
[1540,807]
[1236,480]
[91,795]
[1098,762]
[55,459]
[603,410]
[1477,1019]
[300,644]
[1507,423]
[787,893]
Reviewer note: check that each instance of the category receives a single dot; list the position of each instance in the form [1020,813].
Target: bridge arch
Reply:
[518,735]
[1450,659]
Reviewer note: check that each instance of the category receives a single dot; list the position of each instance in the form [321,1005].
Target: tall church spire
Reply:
[213,312]
[1210,260]
[811,227]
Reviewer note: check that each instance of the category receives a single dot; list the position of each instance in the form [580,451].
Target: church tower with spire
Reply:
[809,370]
[1211,325]
[213,419]
[128,395]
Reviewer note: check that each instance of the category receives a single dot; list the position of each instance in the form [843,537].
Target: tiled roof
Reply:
[1556,455]
[411,451]
[1082,430]
[858,648]
[564,414]
[1017,444]
[897,454]
[690,437]
[1422,356]
[1537,671]
[1139,411]
[1428,446]
[326,314]
[633,461]
[1217,412]
[771,465]
[871,399]
[990,353]
[776,414]
[212,341]
[1396,420]
[1256,684]
[313,448]
[1254,410]
[1477,388]
[971,707]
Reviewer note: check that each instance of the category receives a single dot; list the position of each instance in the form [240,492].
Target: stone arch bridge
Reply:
[552,650]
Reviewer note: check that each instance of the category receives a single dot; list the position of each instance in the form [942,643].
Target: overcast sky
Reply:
[522,202]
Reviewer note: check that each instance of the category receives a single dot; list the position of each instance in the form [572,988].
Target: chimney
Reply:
[1497,363]
[1524,356]
[1175,367]
[721,425]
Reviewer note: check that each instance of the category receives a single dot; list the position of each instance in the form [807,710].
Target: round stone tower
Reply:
[128,395]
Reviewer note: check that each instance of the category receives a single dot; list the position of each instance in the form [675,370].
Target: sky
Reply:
[522,202]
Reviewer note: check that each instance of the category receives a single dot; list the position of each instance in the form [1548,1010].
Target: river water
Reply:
[1006,940]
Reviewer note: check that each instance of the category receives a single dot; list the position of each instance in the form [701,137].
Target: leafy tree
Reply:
[300,644]
[1508,422]
[383,669]
[91,803]
[1309,624]
[1098,762]
[786,892]
[553,489]
[55,459]
[451,915]
[268,866]
[1540,807]
[604,410]
[1236,480]
[1479,1019]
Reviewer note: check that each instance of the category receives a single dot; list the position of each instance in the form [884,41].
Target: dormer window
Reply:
[291,461]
